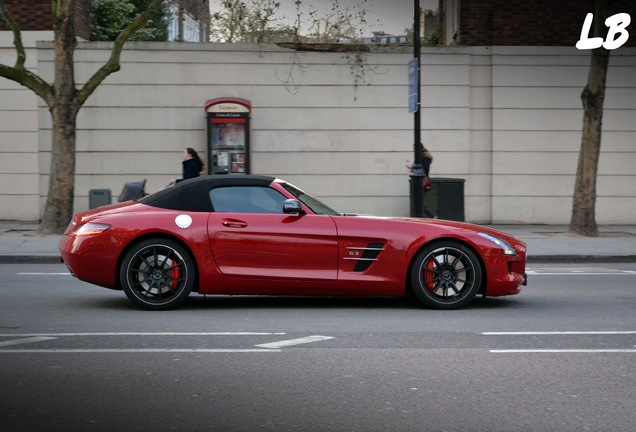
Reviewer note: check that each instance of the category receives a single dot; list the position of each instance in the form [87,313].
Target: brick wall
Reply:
[530,23]
[83,19]
[37,15]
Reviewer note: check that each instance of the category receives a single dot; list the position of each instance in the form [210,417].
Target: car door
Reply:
[251,237]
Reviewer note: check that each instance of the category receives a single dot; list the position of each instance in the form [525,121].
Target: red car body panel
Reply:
[283,254]
[274,246]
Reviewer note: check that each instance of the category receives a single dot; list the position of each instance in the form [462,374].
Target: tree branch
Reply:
[17,36]
[112,65]
[18,72]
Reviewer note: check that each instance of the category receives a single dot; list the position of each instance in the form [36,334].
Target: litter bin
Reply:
[98,198]
[446,198]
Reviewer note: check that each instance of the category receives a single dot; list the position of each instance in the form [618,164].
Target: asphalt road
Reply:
[560,356]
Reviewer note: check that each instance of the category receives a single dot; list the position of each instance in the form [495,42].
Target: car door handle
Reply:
[233,223]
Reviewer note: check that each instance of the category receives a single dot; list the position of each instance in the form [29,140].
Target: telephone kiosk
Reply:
[228,132]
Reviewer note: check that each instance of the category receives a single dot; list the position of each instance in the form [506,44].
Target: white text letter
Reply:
[585,42]
[617,24]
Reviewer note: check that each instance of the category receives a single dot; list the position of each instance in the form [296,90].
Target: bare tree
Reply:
[583,220]
[257,21]
[227,26]
[241,21]
[261,25]
[64,100]
[342,23]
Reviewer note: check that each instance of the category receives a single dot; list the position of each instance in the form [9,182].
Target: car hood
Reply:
[445,225]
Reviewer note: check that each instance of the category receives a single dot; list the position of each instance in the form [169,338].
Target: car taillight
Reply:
[90,229]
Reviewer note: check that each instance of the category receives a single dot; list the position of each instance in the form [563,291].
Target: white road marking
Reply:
[148,334]
[560,333]
[532,273]
[43,274]
[37,337]
[583,271]
[540,333]
[575,273]
[24,341]
[137,350]
[291,342]
[560,351]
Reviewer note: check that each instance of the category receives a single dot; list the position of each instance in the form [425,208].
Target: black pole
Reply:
[417,170]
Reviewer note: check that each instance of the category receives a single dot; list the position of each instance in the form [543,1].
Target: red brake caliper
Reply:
[429,273]
[174,276]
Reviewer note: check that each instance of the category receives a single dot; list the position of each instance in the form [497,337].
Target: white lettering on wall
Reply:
[616,36]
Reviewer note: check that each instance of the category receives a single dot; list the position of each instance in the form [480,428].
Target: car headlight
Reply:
[508,250]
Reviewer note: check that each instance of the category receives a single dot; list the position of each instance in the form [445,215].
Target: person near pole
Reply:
[427,160]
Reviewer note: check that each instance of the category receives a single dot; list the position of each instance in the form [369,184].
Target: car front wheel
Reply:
[157,274]
[446,275]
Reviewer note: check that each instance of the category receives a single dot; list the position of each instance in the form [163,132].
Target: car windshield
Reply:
[313,203]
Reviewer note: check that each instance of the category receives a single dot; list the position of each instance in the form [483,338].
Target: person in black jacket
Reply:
[427,160]
[192,165]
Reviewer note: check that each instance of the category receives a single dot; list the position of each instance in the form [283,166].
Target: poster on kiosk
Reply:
[228,135]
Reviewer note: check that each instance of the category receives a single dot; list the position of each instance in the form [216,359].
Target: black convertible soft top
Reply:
[193,195]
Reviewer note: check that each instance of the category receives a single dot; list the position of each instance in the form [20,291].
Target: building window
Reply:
[191,31]
[452,22]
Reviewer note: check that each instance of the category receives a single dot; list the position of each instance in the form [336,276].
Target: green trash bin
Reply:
[446,198]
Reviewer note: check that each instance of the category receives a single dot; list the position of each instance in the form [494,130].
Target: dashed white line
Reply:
[25,341]
[561,333]
[560,351]
[39,337]
[136,350]
[595,271]
[540,333]
[147,334]
[291,342]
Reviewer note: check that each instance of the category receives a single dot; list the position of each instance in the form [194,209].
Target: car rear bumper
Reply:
[88,259]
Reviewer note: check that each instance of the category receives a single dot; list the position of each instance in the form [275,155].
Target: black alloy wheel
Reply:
[446,275]
[157,274]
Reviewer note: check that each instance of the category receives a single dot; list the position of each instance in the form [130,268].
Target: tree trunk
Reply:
[58,210]
[583,220]
[59,203]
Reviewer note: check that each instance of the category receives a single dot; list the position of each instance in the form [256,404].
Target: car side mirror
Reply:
[293,207]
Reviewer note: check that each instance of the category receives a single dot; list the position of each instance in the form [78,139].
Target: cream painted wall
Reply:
[507,120]
[19,168]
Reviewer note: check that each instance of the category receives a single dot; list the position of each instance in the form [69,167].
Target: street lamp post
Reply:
[416,176]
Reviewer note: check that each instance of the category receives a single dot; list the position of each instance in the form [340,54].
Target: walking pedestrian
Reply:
[193,166]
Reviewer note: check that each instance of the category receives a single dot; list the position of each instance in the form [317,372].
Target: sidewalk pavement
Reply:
[21,243]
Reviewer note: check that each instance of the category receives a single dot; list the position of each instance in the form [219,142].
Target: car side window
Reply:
[247,199]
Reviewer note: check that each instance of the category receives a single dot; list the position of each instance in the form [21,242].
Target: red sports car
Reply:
[254,235]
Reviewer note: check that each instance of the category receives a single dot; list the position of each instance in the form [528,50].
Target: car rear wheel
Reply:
[446,275]
[157,274]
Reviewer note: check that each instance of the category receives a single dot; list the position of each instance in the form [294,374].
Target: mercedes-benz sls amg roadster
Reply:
[256,235]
